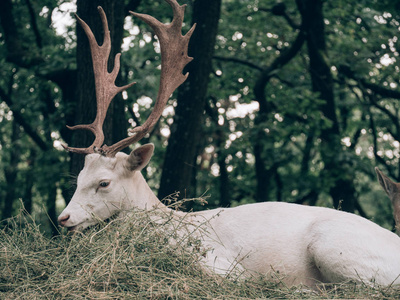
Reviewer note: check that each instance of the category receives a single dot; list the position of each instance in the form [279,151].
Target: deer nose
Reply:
[63,219]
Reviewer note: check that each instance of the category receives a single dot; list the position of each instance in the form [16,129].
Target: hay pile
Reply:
[129,259]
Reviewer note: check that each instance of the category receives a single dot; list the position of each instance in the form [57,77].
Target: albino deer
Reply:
[306,245]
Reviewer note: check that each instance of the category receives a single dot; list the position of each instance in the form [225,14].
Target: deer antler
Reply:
[104,82]
[173,59]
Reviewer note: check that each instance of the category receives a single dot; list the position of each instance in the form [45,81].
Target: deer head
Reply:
[110,181]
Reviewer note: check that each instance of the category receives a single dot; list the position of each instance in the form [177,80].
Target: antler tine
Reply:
[104,83]
[174,58]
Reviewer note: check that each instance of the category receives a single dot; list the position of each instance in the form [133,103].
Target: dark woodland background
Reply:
[293,101]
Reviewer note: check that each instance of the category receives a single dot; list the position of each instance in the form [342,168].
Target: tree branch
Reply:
[378,89]
[17,52]
[34,24]
[281,60]
[239,61]
[384,92]
[279,9]
[387,112]
[18,117]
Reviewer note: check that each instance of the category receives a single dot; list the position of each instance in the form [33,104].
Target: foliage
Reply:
[132,258]
[362,51]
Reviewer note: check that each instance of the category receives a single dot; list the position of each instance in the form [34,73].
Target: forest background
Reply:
[292,101]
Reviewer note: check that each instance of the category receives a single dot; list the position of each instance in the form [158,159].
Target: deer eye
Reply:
[104,184]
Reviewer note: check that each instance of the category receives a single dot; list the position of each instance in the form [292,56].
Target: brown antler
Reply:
[173,59]
[104,82]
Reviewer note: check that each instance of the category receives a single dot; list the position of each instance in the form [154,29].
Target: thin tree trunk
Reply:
[177,174]
[262,172]
[340,181]
[263,175]
[11,172]
[28,191]
[224,190]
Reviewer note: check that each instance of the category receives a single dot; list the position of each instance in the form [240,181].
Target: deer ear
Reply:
[392,189]
[140,157]
[388,185]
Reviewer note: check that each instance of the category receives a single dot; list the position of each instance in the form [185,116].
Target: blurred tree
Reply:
[182,151]
[300,100]
[11,172]
[264,174]
[340,183]
[32,104]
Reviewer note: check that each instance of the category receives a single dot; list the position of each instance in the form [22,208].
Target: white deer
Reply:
[307,245]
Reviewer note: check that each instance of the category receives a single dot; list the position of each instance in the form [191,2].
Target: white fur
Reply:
[303,244]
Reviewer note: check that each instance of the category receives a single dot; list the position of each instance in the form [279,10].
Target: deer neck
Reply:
[141,196]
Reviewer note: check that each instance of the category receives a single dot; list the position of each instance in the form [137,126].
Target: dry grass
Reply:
[131,259]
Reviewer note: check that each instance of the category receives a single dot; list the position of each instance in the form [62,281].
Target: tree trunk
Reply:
[11,172]
[29,181]
[263,174]
[340,182]
[115,124]
[224,183]
[178,167]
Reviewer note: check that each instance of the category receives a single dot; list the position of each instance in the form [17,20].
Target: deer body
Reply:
[300,243]
[303,244]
